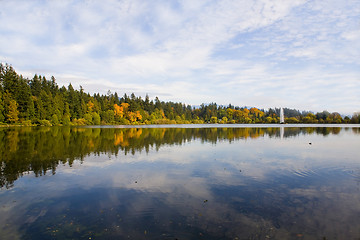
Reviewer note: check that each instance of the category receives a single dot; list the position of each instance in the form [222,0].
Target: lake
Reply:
[180,182]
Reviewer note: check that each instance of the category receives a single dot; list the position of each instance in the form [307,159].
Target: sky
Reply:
[264,53]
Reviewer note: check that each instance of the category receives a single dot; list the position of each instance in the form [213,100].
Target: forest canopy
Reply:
[39,101]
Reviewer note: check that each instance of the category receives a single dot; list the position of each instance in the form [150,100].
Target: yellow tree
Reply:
[238,116]
[256,113]
[230,113]
[125,106]
[119,111]
[246,112]
[13,112]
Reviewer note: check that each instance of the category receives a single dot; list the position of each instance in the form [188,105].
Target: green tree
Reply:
[355,118]
[35,86]
[58,105]
[2,108]
[10,80]
[108,116]
[39,108]
[96,118]
[89,118]
[54,120]
[66,120]
[48,108]
[31,115]
[73,99]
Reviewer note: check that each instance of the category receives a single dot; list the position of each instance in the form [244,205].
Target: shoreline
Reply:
[203,125]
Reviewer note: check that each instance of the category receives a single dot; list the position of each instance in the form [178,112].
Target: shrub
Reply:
[45,122]
[55,119]
[26,123]
[79,122]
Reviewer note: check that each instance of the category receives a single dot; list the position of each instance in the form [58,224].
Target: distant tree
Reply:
[322,115]
[269,119]
[355,118]
[224,120]
[346,119]
[291,120]
[213,120]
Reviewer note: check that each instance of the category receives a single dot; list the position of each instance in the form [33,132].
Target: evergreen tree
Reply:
[35,86]
[23,97]
[53,86]
[31,115]
[2,108]
[39,109]
[10,80]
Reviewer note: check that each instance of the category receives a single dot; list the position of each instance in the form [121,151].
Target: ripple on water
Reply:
[326,173]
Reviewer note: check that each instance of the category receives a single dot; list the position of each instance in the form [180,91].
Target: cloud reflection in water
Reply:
[185,183]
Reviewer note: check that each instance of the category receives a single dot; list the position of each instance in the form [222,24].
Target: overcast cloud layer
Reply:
[298,54]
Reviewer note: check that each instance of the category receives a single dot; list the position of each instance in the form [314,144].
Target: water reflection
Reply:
[40,150]
[177,183]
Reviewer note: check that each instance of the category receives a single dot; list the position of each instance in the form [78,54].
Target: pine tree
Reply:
[10,80]
[35,86]
[2,108]
[53,86]
[31,115]
[23,96]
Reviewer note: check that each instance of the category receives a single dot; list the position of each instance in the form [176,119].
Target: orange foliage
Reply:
[90,106]
[138,115]
[118,110]
[125,106]
[133,116]
[256,112]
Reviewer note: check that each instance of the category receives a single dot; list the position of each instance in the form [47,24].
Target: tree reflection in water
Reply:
[180,183]
[42,149]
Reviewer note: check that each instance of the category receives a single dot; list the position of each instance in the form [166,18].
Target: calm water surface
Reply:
[190,182]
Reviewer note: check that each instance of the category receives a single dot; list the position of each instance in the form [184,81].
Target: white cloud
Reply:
[140,46]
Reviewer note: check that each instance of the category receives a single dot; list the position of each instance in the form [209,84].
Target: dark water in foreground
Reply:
[180,183]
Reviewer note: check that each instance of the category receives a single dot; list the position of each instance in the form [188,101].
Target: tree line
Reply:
[39,101]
